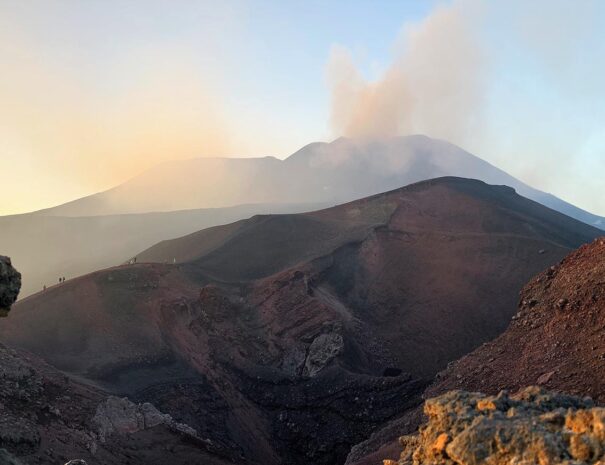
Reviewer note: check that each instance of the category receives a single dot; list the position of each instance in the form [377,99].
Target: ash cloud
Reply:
[435,84]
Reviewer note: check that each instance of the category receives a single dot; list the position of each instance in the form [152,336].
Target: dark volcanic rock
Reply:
[318,420]
[6,458]
[10,284]
[47,418]
[122,416]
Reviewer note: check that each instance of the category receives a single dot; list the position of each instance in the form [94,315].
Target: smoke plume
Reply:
[435,84]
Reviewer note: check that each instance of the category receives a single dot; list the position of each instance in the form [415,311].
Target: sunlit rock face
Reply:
[10,284]
[531,426]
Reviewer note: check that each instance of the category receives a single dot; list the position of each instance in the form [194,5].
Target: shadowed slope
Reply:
[48,419]
[48,247]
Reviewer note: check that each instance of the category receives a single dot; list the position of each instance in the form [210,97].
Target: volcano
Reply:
[329,173]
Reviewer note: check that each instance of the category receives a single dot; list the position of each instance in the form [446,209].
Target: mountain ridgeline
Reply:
[336,172]
[180,197]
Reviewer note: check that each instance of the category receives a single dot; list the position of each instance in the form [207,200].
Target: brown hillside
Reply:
[290,338]
[557,338]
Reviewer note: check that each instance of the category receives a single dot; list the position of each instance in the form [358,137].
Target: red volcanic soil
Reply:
[290,338]
[557,338]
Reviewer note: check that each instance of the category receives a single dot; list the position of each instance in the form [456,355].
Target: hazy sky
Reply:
[93,92]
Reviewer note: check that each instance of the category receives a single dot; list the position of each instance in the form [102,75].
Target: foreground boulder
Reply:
[532,426]
[10,284]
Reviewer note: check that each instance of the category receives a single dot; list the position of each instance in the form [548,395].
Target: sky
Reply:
[95,92]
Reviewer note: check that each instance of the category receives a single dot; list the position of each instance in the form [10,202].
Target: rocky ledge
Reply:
[120,415]
[533,426]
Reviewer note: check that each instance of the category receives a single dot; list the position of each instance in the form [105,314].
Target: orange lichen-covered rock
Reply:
[533,426]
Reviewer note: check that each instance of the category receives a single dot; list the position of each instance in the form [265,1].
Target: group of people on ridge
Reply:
[61,280]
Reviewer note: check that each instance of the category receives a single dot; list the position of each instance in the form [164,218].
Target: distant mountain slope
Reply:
[290,338]
[336,172]
[48,247]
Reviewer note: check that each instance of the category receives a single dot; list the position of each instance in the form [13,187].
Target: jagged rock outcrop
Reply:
[122,416]
[323,349]
[10,284]
[38,412]
[533,426]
